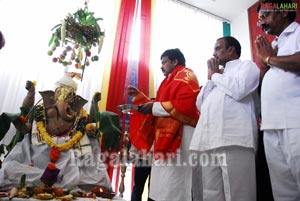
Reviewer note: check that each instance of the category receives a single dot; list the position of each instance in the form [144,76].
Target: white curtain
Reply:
[27,26]
[194,32]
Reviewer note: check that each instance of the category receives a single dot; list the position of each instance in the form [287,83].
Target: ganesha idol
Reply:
[58,131]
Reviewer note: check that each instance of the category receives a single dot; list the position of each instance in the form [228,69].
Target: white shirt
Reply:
[280,94]
[228,108]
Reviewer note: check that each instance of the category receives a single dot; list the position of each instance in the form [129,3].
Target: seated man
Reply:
[59,132]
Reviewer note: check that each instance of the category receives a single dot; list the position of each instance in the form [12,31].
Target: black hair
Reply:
[291,14]
[231,41]
[174,54]
[2,40]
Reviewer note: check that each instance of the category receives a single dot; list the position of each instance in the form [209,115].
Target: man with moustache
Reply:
[280,96]
[226,132]
[170,119]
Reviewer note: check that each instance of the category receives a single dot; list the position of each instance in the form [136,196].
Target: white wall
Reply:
[240,30]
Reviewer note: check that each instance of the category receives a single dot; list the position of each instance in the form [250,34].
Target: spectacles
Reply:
[263,17]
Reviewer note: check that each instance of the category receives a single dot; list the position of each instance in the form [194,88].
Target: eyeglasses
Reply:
[263,17]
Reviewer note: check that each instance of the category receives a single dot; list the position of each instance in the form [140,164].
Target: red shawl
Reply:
[177,95]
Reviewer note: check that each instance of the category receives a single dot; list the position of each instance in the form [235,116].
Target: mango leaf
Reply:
[90,20]
[83,21]
[51,40]
[23,181]
[80,15]
[98,29]
[56,26]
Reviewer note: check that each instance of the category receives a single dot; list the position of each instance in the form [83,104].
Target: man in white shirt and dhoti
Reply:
[226,134]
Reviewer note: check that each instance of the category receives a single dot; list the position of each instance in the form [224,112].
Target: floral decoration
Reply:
[54,154]
[48,139]
[57,148]
[24,113]
[90,127]
[77,33]
[38,113]
[51,166]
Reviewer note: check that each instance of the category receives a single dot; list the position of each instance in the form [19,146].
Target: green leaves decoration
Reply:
[79,33]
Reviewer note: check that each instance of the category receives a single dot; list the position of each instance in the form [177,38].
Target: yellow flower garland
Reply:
[62,147]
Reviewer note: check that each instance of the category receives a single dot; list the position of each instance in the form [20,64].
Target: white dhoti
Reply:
[75,171]
[171,179]
[282,148]
[229,174]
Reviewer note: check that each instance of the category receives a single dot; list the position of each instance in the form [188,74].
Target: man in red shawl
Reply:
[167,123]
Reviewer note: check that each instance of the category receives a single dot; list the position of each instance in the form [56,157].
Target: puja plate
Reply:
[126,108]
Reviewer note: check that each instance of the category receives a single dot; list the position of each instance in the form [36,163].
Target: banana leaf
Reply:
[5,121]
[110,127]
[18,137]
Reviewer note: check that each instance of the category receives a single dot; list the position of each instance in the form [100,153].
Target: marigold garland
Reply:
[62,147]
[55,148]
[54,154]
[23,119]
[51,166]
[90,127]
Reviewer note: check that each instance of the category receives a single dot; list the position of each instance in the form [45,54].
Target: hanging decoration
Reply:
[75,37]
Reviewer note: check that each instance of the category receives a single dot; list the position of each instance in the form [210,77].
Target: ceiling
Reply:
[226,9]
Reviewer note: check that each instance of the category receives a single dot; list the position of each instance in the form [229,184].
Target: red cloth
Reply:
[141,131]
[177,94]
[144,51]
[119,67]
[120,56]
